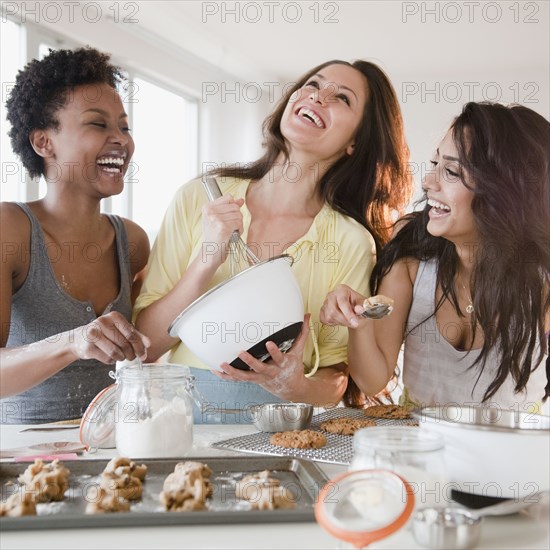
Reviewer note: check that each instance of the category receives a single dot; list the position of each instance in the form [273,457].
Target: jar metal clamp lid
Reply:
[97,428]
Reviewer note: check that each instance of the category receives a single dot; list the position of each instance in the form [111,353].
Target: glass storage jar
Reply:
[154,417]
[413,454]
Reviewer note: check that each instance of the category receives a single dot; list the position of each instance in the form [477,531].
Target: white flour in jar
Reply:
[168,433]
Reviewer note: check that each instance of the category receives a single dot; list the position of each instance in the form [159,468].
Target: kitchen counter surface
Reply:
[525,530]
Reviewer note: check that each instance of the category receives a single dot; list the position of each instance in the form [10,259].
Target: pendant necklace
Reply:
[470,306]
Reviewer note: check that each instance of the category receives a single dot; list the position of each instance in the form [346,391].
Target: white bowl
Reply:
[492,452]
[261,303]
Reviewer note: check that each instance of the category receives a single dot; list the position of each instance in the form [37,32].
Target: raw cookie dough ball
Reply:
[121,465]
[125,486]
[18,504]
[187,487]
[48,482]
[107,502]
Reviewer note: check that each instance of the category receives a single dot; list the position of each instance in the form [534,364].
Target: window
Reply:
[164,128]
[164,125]
[13,186]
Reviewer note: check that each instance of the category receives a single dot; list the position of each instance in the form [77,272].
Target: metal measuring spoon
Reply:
[377,307]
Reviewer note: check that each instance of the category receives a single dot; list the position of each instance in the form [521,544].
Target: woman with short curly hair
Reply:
[67,276]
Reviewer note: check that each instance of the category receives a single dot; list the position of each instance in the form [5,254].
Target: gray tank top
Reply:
[42,309]
[435,372]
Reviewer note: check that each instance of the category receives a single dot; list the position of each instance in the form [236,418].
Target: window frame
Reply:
[34,35]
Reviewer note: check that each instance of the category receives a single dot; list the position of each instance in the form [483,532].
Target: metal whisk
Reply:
[240,255]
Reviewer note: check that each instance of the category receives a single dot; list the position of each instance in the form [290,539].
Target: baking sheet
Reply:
[302,478]
[338,450]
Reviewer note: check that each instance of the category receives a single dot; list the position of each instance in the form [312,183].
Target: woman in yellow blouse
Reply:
[333,172]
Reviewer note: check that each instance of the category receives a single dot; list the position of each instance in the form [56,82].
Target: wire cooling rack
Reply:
[338,450]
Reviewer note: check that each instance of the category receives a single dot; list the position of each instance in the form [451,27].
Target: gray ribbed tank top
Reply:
[42,309]
[435,372]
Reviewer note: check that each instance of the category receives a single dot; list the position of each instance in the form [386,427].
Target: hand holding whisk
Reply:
[239,253]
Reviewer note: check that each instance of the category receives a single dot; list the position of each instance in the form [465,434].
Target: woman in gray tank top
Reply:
[469,273]
[67,273]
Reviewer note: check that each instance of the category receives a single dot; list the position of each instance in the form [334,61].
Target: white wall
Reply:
[429,61]
[230,126]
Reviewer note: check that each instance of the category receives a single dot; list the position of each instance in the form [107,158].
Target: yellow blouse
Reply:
[335,250]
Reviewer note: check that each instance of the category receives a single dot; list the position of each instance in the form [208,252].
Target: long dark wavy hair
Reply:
[506,153]
[371,183]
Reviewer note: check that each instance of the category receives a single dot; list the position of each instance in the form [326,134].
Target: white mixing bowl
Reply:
[261,303]
[492,452]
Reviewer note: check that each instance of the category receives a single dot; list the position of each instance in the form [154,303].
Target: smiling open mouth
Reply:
[111,164]
[311,116]
[439,207]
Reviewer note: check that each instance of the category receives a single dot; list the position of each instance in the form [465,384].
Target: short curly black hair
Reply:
[42,88]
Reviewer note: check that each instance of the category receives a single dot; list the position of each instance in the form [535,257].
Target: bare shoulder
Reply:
[14,221]
[15,234]
[15,229]
[138,244]
[404,269]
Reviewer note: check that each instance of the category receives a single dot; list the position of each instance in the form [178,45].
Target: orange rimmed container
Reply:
[364,506]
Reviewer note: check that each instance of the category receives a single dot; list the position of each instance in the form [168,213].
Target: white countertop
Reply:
[526,531]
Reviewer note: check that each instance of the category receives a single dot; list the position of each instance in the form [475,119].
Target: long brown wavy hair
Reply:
[368,185]
[506,153]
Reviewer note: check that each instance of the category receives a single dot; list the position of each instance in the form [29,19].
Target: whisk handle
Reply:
[212,188]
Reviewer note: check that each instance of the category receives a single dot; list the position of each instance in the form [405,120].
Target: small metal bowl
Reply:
[281,417]
[446,528]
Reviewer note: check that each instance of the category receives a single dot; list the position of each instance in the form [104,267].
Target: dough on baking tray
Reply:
[249,484]
[48,482]
[19,504]
[187,487]
[107,502]
[264,492]
[125,485]
[120,465]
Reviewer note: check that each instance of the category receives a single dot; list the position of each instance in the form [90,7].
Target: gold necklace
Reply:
[470,306]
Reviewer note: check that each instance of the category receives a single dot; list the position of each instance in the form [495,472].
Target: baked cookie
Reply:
[388,411]
[18,504]
[346,426]
[107,502]
[120,465]
[299,439]
[48,482]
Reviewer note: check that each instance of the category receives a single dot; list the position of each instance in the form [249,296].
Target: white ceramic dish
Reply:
[261,303]
[490,451]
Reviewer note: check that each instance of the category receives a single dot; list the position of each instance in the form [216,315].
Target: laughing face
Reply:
[323,116]
[92,146]
[450,215]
